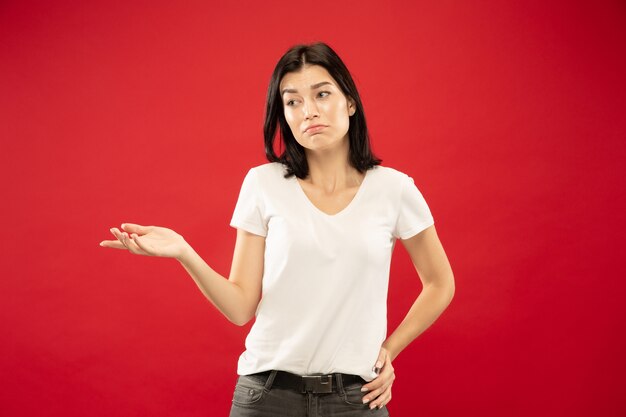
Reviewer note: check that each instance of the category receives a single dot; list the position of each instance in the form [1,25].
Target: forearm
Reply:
[428,306]
[225,295]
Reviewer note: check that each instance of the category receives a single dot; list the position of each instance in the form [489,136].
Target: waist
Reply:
[323,383]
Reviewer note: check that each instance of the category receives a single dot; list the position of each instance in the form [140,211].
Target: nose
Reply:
[310,110]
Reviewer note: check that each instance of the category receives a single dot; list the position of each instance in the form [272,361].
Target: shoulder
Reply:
[269,174]
[270,168]
[390,172]
[388,175]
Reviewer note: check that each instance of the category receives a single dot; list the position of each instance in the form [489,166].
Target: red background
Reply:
[509,115]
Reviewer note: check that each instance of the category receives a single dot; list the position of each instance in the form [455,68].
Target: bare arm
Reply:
[237,297]
[435,272]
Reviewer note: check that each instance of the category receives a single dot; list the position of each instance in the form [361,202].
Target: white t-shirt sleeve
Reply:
[414,214]
[249,211]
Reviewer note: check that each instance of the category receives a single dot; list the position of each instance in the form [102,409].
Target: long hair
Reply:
[293,156]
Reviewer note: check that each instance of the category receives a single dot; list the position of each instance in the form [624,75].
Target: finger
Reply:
[119,236]
[373,396]
[115,244]
[376,397]
[142,245]
[124,240]
[132,245]
[382,400]
[376,382]
[380,384]
[373,385]
[136,228]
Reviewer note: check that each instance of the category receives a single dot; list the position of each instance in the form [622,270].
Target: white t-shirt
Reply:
[324,300]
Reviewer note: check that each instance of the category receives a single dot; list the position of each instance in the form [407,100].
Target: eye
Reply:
[290,102]
[324,94]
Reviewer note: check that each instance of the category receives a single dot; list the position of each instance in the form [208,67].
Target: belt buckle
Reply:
[318,384]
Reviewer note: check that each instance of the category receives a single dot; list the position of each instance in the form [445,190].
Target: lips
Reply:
[314,128]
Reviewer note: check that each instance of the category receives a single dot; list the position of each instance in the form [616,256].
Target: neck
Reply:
[331,169]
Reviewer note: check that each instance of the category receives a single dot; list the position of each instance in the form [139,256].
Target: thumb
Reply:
[135,228]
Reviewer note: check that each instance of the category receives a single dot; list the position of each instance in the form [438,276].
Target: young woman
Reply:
[316,228]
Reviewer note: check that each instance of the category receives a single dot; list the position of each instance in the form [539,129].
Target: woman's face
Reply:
[316,110]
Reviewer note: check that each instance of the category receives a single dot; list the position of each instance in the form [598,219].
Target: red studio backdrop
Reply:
[508,115]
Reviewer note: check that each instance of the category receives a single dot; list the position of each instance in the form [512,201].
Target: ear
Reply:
[351,106]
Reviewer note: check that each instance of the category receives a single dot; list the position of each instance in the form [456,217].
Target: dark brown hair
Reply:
[293,156]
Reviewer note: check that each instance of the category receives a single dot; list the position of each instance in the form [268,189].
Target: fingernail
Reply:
[379,364]
[364,389]
[365,400]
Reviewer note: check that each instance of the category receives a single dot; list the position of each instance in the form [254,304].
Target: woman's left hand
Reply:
[379,389]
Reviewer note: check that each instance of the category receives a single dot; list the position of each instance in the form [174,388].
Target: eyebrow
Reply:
[313,87]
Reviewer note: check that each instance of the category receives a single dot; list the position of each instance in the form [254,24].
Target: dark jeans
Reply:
[255,397]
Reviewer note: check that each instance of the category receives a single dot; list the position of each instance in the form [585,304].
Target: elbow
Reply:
[445,288]
[239,323]
[451,288]
[240,320]
[243,310]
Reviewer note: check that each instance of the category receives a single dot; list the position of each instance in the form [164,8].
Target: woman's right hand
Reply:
[148,240]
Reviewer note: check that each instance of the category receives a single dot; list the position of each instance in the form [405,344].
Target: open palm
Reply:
[147,240]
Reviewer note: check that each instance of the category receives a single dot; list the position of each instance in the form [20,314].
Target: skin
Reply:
[311,97]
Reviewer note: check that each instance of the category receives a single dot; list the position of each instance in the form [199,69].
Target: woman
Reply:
[316,227]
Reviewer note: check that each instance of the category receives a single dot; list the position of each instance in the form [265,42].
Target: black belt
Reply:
[312,383]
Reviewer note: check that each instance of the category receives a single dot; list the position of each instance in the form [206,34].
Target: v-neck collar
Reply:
[343,211]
